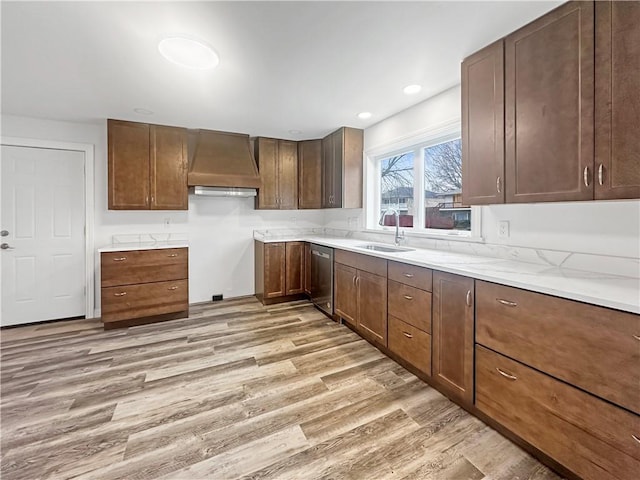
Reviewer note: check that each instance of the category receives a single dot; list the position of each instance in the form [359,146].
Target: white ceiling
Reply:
[308,66]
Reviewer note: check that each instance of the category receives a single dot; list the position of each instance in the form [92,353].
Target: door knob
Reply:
[5,246]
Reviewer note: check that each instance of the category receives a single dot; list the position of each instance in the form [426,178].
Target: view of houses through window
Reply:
[434,169]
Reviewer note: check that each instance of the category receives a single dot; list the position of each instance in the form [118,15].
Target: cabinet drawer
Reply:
[366,263]
[144,300]
[141,266]
[418,277]
[594,348]
[589,436]
[411,305]
[410,343]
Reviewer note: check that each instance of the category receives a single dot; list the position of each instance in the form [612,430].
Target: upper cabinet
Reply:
[549,125]
[147,166]
[617,108]
[310,174]
[278,165]
[342,162]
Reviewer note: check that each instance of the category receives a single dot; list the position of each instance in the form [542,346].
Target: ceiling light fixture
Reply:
[364,115]
[295,132]
[412,89]
[143,111]
[188,52]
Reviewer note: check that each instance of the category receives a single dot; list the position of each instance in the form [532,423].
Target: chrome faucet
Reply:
[399,235]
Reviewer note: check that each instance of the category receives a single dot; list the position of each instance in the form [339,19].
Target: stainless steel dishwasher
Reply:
[322,277]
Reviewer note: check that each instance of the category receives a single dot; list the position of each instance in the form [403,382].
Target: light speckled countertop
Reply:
[151,245]
[613,291]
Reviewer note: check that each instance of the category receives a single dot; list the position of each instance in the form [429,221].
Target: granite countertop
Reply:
[144,245]
[613,291]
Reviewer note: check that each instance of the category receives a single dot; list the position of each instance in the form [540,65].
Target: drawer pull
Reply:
[121,294]
[506,375]
[637,337]
[174,287]
[172,255]
[469,304]
[635,438]
[408,297]
[119,259]
[508,303]
[408,275]
[354,279]
[407,334]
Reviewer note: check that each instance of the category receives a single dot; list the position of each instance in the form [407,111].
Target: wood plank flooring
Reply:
[238,390]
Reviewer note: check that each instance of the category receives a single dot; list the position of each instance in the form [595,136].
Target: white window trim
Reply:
[444,132]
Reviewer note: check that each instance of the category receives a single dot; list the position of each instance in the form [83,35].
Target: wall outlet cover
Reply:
[503,229]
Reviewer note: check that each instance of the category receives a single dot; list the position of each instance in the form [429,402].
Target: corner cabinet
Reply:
[147,166]
[278,165]
[279,271]
[342,168]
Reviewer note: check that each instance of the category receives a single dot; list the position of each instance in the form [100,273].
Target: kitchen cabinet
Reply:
[360,296]
[147,166]
[279,271]
[617,108]
[142,286]
[483,126]
[453,335]
[310,174]
[307,268]
[278,165]
[342,168]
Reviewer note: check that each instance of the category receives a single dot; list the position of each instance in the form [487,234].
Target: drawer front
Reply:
[411,305]
[589,436]
[142,266]
[418,277]
[594,348]
[366,263]
[410,343]
[144,300]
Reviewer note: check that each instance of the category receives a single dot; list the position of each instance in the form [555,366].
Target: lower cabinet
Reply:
[410,344]
[346,293]
[372,306]
[279,270]
[453,323]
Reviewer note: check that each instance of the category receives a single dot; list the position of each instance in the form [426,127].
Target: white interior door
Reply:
[43,223]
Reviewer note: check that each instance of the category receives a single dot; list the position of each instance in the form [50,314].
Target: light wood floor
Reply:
[237,390]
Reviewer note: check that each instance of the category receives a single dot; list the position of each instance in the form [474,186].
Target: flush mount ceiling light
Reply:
[188,52]
[412,89]
[143,111]
[364,115]
[295,132]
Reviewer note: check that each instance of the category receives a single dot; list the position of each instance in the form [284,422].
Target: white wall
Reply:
[220,230]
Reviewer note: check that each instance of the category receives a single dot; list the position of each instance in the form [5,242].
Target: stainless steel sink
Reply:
[385,248]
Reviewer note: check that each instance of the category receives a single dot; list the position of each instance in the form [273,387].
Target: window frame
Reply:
[417,143]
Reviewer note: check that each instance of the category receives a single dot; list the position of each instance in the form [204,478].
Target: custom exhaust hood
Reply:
[221,164]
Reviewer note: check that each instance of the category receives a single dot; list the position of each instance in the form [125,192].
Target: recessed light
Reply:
[295,132]
[364,115]
[188,52]
[143,111]
[412,89]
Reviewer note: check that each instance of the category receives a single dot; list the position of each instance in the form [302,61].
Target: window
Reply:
[423,183]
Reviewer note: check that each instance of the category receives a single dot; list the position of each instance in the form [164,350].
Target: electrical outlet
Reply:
[503,229]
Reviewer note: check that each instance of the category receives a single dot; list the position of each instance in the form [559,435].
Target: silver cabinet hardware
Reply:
[320,254]
[357,281]
[172,255]
[601,174]
[174,287]
[585,176]
[6,246]
[508,303]
[408,297]
[468,298]
[637,337]
[354,279]
[407,334]
[4,233]
[121,294]
[637,439]
[506,375]
[119,259]
[408,275]
[498,185]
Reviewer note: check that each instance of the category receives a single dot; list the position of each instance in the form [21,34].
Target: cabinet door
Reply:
[287,174]
[327,171]
[351,168]
[307,268]
[345,293]
[372,306]
[274,270]
[310,174]
[294,267]
[549,107]
[453,334]
[267,158]
[168,168]
[128,165]
[483,126]
[337,157]
[617,100]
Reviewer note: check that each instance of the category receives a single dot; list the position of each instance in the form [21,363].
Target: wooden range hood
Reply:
[221,159]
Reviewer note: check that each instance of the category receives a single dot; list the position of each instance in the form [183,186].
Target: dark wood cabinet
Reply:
[549,90]
[372,306]
[279,271]
[342,168]
[617,108]
[453,336]
[310,174]
[307,268]
[346,293]
[275,270]
[278,165]
[294,268]
[147,166]
[483,126]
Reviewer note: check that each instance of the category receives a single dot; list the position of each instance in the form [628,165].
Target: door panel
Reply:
[274,270]
[288,174]
[372,306]
[43,274]
[294,267]
[327,171]
[267,158]
[345,293]
[168,168]
[310,174]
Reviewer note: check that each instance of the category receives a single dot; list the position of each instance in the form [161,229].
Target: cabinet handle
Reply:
[152,198]
[121,294]
[357,281]
[172,255]
[354,279]
[498,185]
[508,303]
[408,297]
[585,176]
[174,287]
[637,337]
[407,334]
[506,375]
[146,200]
[119,259]
[468,298]
[635,438]
[601,174]
[408,275]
